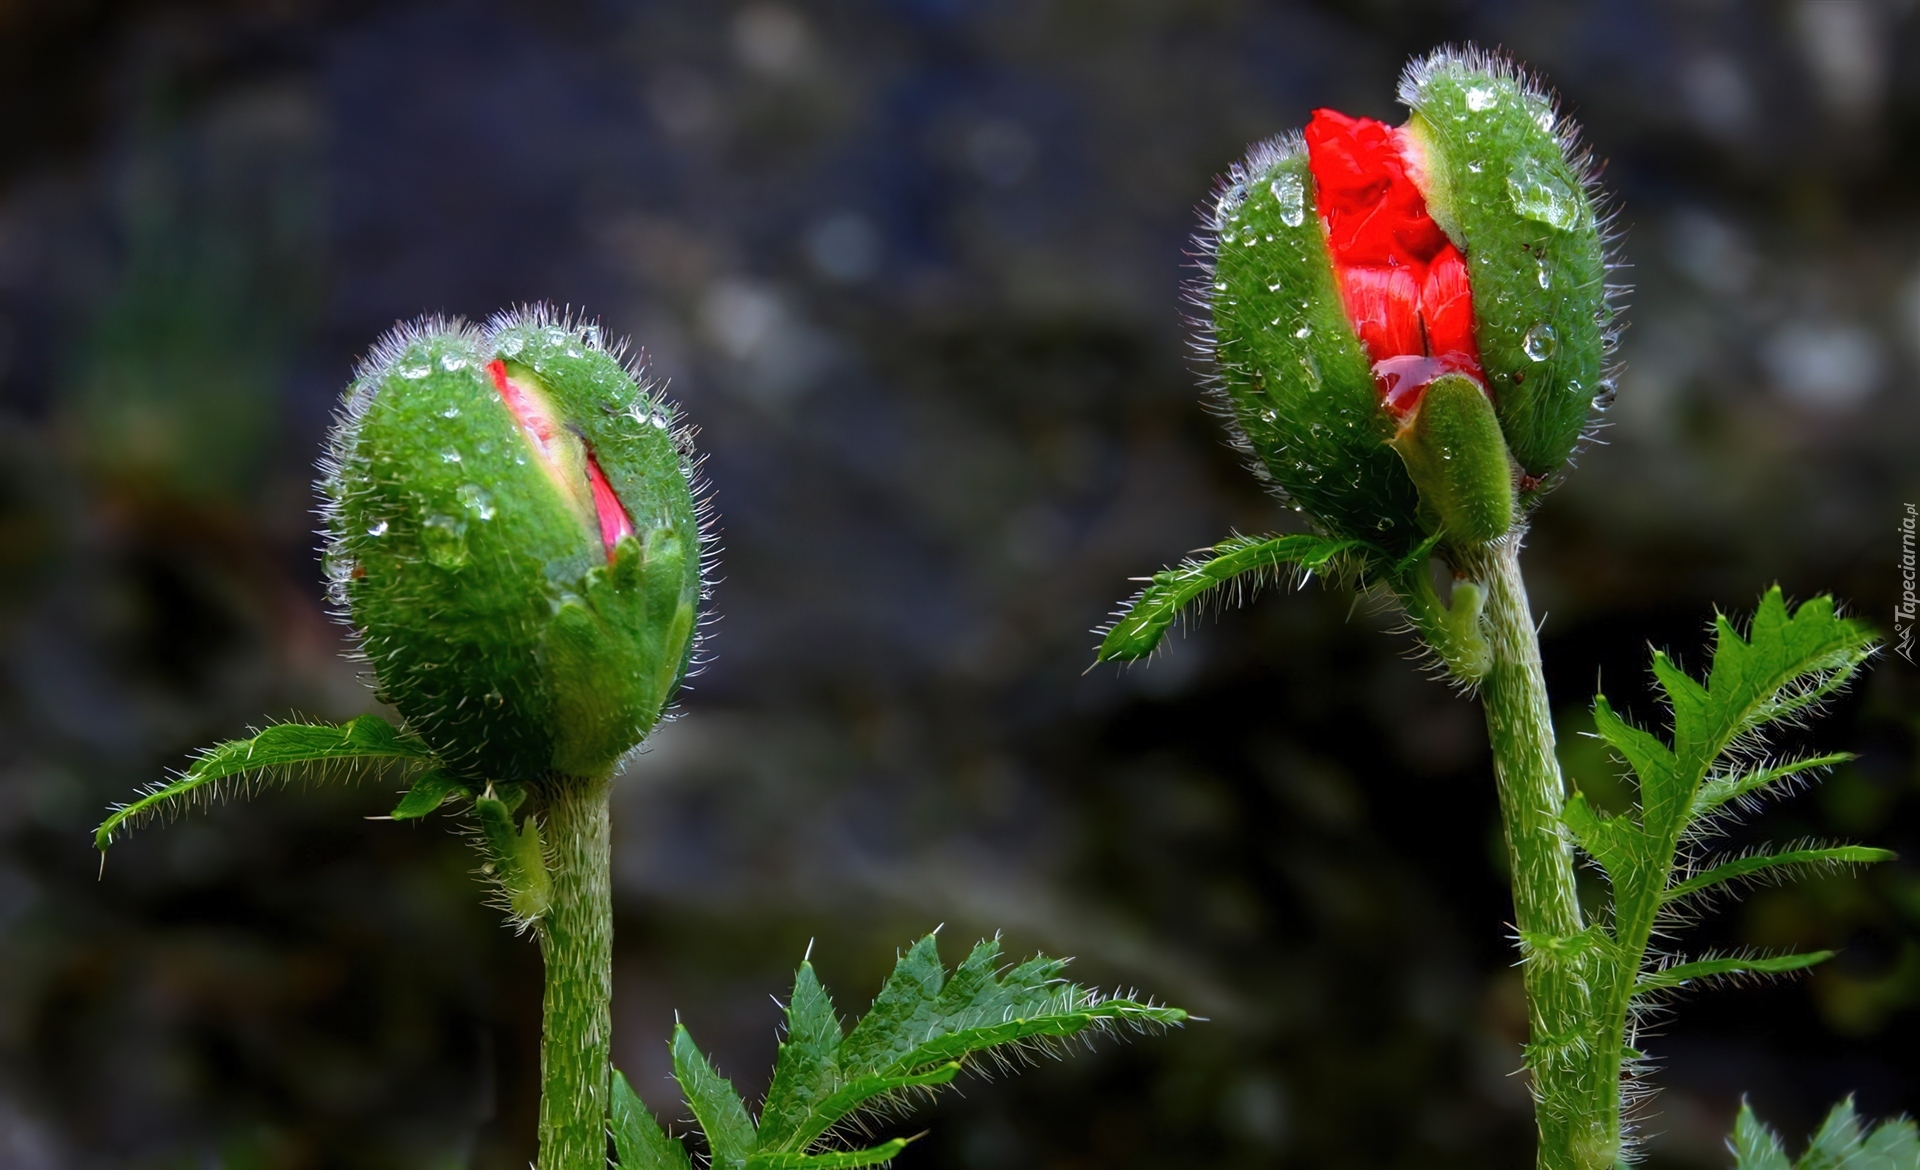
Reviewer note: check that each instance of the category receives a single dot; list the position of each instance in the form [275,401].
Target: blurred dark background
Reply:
[914,268]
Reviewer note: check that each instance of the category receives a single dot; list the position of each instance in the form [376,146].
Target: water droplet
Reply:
[1482,97]
[449,456]
[445,539]
[377,528]
[486,448]
[452,361]
[1219,286]
[511,345]
[1274,284]
[452,411]
[415,372]
[476,500]
[1304,331]
[1545,274]
[660,421]
[1475,168]
[1226,237]
[1540,341]
[1290,192]
[339,569]
[1542,196]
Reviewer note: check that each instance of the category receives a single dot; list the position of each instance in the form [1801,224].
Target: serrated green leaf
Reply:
[1262,558]
[1680,973]
[900,1014]
[807,1069]
[1836,1141]
[280,748]
[1754,1146]
[722,1115]
[1608,840]
[923,1027]
[1652,761]
[637,1138]
[1832,856]
[834,1160]
[1893,1146]
[427,794]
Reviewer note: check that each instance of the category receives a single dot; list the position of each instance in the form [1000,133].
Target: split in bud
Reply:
[512,530]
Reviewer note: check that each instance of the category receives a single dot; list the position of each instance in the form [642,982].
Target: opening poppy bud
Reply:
[512,532]
[1453,449]
[1356,265]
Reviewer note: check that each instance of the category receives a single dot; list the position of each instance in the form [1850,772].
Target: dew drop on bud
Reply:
[445,540]
[377,529]
[1290,191]
[1545,275]
[1542,196]
[1482,97]
[415,372]
[1540,341]
[476,500]
[452,361]
[449,456]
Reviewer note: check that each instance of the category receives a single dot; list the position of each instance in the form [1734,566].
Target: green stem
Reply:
[1576,1107]
[576,942]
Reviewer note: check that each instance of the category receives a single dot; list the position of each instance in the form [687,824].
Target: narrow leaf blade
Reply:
[808,1066]
[1682,973]
[637,1137]
[428,793]
[1156,607]
[722,1115]
[834,1160]
[278,748]
[1829,857]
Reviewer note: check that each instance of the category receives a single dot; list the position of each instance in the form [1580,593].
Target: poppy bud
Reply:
[512,530]
[1358,266]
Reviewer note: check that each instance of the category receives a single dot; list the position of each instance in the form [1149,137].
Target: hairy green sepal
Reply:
[489,609]
[1500,183]
[1456,456]
[924,1027]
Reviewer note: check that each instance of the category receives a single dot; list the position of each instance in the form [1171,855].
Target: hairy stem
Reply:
[576,942]
[1577,1108]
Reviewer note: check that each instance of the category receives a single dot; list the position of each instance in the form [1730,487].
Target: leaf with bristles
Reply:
[1844,1142]
[1157,606]
[1753,1145]
[1721,790]
[281,748]
[924,1026]
[835,1160]
[1668,978]
[429,792]
[638,1138]
[1829,857]
[722,1115]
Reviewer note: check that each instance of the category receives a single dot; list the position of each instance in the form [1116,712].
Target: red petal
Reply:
[614,522]
[1446,302]
[1384,306]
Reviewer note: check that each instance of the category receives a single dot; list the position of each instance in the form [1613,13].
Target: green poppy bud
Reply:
[513,533]
[1357,267]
